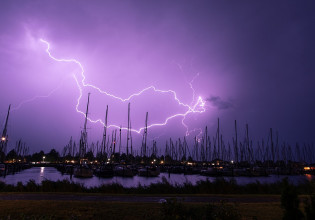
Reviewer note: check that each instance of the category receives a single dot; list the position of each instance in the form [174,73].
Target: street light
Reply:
[44,159]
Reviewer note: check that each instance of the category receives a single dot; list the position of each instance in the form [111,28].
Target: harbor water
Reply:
[39,174]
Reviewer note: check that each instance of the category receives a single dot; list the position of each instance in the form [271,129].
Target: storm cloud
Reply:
[219,103]
[256,59]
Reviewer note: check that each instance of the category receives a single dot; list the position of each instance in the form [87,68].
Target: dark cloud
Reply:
[217,102]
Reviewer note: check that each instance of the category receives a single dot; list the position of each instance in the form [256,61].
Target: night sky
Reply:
[250,61]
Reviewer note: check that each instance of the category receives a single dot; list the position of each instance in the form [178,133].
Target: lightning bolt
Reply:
[36,97]
[197,107]
[193,99]
[188,132]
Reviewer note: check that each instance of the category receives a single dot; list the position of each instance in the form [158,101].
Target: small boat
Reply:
[149,171]
[69,169]
[2,169]
[176,169]
[210,171]
[258,171]
[240,172]
[83,171]
[105,171]
[123,171]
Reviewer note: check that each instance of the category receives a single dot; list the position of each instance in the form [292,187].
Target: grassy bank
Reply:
[250,208]
[116,210]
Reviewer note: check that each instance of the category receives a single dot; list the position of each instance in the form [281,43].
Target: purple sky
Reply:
[252,61]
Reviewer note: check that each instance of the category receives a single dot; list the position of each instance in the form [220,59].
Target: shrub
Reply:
[310,208]
[290,202]
[310,203]
[31,186]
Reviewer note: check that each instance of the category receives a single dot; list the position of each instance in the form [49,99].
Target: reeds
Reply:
[218,186]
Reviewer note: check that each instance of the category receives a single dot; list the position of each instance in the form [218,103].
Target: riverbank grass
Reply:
[118,210]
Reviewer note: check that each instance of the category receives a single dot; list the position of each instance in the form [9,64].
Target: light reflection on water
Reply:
[42,169]
[41,173]
[309,177]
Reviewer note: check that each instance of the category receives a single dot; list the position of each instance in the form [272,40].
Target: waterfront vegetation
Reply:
[282,200]
[218,186]
[173,209]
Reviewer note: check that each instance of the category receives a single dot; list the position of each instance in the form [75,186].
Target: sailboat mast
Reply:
[86,113]
[4,132]
[4,137]
[131,151]
[128,127]
[83,139]
[145,136]
[105,131]
[119,140]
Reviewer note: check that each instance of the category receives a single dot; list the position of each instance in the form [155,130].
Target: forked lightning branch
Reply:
[197,105]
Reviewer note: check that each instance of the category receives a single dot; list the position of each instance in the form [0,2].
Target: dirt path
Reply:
[139,198]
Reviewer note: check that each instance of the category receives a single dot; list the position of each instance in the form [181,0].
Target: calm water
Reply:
[41,173]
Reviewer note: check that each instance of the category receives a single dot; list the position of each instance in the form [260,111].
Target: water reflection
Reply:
[42,169]
[309,177]
[41,173]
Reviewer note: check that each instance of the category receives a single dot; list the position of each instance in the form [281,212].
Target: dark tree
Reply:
[12,155]
[52,156]
[37,157]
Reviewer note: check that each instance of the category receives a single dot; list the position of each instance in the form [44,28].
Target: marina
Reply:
[157,110]
[178,163]
[39,174]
